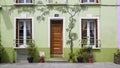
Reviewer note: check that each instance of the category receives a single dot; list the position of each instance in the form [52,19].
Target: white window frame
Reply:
[90,3]
[58,3]
[25,3]
[99,41]
[0,6]
[24,34]
[15,30]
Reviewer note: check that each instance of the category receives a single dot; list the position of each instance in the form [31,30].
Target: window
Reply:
[89,1]
[89,32]
[56,2]
[24,1]
[23,32]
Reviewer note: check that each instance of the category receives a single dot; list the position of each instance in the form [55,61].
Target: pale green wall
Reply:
[108,27]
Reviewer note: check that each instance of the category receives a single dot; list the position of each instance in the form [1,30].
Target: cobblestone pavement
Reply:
[61,65]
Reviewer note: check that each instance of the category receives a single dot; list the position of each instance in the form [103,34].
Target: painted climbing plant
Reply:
[70,10]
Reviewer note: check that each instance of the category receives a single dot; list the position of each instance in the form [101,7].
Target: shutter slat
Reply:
[16,32]
[97,1]
[16,1]
[96,32]
[31,28]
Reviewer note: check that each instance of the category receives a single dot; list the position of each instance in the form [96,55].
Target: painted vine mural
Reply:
[70,10]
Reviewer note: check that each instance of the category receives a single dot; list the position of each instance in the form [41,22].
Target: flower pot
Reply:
[117,58]
[30,59]
[90,60]
[79,59]
[42,60]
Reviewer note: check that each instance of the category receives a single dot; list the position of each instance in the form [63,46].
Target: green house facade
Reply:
[45,22]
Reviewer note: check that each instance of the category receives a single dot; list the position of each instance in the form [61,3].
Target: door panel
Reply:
[56,43]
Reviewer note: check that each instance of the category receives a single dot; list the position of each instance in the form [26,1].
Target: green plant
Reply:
[31,48]
[31,51]
[80,52]
[71,57]
[117,57]
[1,50]
[118,52]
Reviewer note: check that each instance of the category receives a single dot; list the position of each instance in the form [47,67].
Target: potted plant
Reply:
[71,57]
[31,51]
[89,54]
[80,55]
[88,50]
[42,56]
[117,57]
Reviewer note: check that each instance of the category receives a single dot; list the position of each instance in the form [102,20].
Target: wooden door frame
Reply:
[56,18]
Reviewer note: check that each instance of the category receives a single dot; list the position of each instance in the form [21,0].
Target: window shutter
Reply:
[16,32]
[16,1]
[97,1]
[82,32]
[31,29]
[31,1]
[96,32]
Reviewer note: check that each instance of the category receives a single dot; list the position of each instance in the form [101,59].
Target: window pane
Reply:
[28,24]
[28,1]
[92,1]
[21,25]
[91,41]
[21,1]
[28,31]
[84,30]
[84,0]
[21,32]
[92,32]
[91,25]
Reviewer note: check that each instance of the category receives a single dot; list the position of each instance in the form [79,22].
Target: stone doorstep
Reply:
[56,56]
[56,61]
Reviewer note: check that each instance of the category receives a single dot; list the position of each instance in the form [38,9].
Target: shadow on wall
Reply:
[36,59]
[6,19]
[5,57]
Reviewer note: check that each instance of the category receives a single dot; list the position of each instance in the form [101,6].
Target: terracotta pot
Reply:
[90,60]
[42,60]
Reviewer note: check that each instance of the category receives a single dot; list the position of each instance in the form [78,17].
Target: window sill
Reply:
[89,3]
[21,47]
[18,48]
[24,4]
[56,4]
[96,48]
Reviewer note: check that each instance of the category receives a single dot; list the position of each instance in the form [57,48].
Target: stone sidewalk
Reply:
[61,65]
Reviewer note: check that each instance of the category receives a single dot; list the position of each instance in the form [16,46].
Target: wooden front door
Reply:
[56,34]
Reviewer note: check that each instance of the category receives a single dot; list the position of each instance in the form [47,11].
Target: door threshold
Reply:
[56,55]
